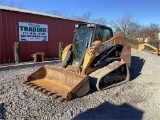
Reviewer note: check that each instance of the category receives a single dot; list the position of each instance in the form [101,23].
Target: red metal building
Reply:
[59,30]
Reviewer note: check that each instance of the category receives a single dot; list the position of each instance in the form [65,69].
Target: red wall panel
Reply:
[59,30]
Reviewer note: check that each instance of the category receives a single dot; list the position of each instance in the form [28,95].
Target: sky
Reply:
[143,11]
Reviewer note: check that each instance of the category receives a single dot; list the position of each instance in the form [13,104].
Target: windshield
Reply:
[82,38]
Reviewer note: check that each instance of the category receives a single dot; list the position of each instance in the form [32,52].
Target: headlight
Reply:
[90,25]
[76,25]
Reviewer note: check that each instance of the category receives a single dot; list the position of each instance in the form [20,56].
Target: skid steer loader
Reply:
[95,59]
[152,47]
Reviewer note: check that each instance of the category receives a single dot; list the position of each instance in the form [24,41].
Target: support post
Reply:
[60,49]
[16,52]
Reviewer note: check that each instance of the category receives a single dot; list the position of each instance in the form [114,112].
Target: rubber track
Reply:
[96,76]
[153,52]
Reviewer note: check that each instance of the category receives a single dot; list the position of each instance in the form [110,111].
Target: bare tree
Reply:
[77,17]
[61,13]
[122,24]
[21,4]
[85,17]
[11,3]
[101,21]
[64,13]
[133,30]
[2,2]
[154,30]
[150,31]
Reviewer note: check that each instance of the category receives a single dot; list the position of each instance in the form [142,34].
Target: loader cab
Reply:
[84,35]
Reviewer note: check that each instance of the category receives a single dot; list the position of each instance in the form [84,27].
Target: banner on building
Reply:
[33,32]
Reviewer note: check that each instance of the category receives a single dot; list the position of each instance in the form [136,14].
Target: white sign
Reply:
[107,45]
[33,32]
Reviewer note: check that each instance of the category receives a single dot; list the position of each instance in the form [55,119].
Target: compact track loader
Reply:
[152,47]
[95,59]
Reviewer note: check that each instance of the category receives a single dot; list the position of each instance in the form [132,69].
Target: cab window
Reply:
[106,35]
[102,34]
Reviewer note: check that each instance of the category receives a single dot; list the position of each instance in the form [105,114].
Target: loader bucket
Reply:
[58,82]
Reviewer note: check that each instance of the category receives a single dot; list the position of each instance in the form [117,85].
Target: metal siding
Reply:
[58,30]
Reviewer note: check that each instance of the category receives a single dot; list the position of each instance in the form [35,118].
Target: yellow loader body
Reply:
[91,60]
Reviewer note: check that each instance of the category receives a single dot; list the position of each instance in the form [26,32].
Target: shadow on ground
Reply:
[136,67]
[2,111]
[109,111]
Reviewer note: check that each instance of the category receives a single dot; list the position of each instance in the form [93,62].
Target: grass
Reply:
[134,43]
[134,46]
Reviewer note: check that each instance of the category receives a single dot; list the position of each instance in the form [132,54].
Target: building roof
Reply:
[31,12]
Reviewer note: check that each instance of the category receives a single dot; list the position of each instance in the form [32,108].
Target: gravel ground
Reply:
[137,99]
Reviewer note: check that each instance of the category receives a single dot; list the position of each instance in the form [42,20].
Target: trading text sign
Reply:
[33,32]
